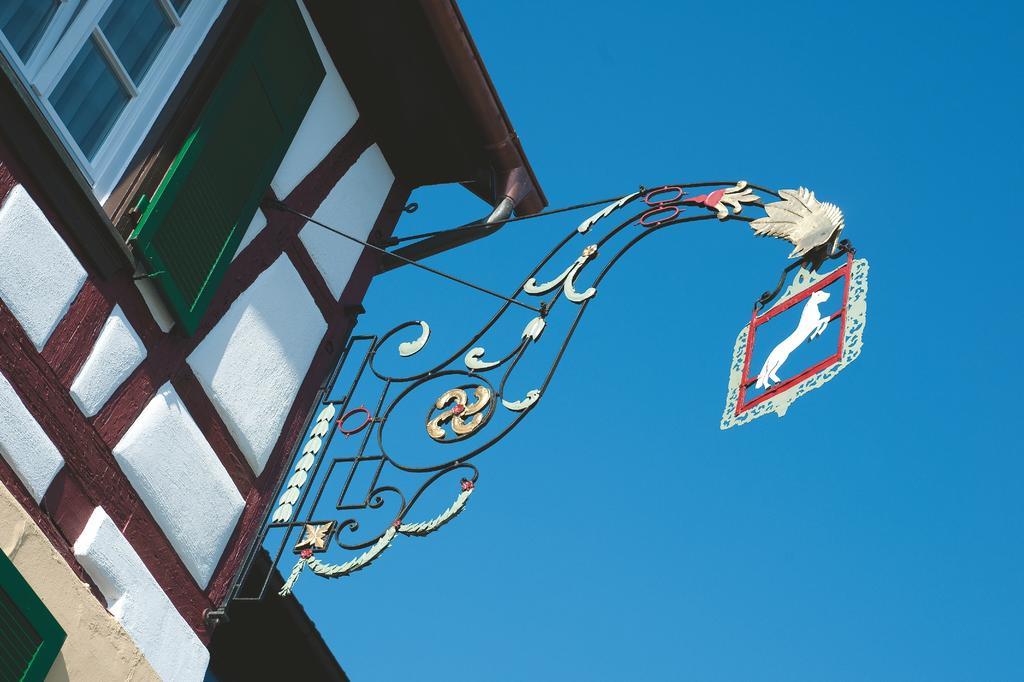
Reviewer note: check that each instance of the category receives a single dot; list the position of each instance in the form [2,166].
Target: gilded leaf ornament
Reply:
[316,536]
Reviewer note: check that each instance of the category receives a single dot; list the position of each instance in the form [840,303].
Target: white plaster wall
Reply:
[253,361]
[256,225]
[331,114]
[136,601]
[39,276]
[182,482]
[352,207]
[24,444]
[118,351]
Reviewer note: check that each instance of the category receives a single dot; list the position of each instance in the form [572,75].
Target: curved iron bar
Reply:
[498,395]
[519,290]
[430,481]
[525,341]
[375,502]
[680,201]
[601,275]
[479,335]
[648,198]
[437,371]
[353,525]
[842,248]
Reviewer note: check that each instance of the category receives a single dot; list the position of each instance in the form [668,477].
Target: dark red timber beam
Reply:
[42,380]
[494,167]
[170,351]
[340,326]
[95,471]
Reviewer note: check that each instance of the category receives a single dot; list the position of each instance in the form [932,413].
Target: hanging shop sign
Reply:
[757,389]
[814,301]
[354,488]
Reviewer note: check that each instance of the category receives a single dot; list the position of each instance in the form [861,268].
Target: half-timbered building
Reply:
[163,324]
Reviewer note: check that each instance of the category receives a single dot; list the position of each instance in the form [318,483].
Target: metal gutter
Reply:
[515,184]
[500,140]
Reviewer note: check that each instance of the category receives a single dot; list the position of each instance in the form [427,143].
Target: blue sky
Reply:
[873,533]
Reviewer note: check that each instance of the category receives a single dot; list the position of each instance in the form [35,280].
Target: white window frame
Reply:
[58,48]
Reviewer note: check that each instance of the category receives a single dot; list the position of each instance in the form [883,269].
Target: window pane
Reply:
[136,29]
[180,5]
[89,98]
[24,21]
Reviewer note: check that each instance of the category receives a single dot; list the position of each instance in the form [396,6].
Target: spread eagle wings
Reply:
[800,219]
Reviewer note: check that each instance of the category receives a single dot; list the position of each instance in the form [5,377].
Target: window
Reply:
[102,69]
[30,637]
[188,233]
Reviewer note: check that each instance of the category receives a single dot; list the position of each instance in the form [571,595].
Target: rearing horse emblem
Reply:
[465,417]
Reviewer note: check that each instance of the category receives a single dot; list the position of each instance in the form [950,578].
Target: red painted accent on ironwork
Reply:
[368,419]
[676,210]
[846,303]
[844,271]
[793,381]
[746,360]
[710,200]
[834,316]
[649,199]
[841,271]
[73,339]
[662,205]
[466,484]
[216,432]
[306,553]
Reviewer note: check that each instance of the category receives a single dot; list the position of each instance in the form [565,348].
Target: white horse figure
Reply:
[811,324]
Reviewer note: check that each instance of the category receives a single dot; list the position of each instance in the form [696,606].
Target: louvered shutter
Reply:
[30,636]
[188,233]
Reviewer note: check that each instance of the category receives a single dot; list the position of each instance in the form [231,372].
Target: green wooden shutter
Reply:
[30,636]
[188,233]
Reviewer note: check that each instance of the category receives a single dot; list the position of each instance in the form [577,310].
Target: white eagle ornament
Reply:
[802,220]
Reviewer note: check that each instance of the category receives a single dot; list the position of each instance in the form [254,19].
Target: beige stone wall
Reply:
[97,647]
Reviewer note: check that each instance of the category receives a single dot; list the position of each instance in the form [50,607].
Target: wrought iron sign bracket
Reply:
[475,407]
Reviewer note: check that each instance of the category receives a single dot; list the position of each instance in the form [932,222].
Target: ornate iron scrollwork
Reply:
[475,408]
